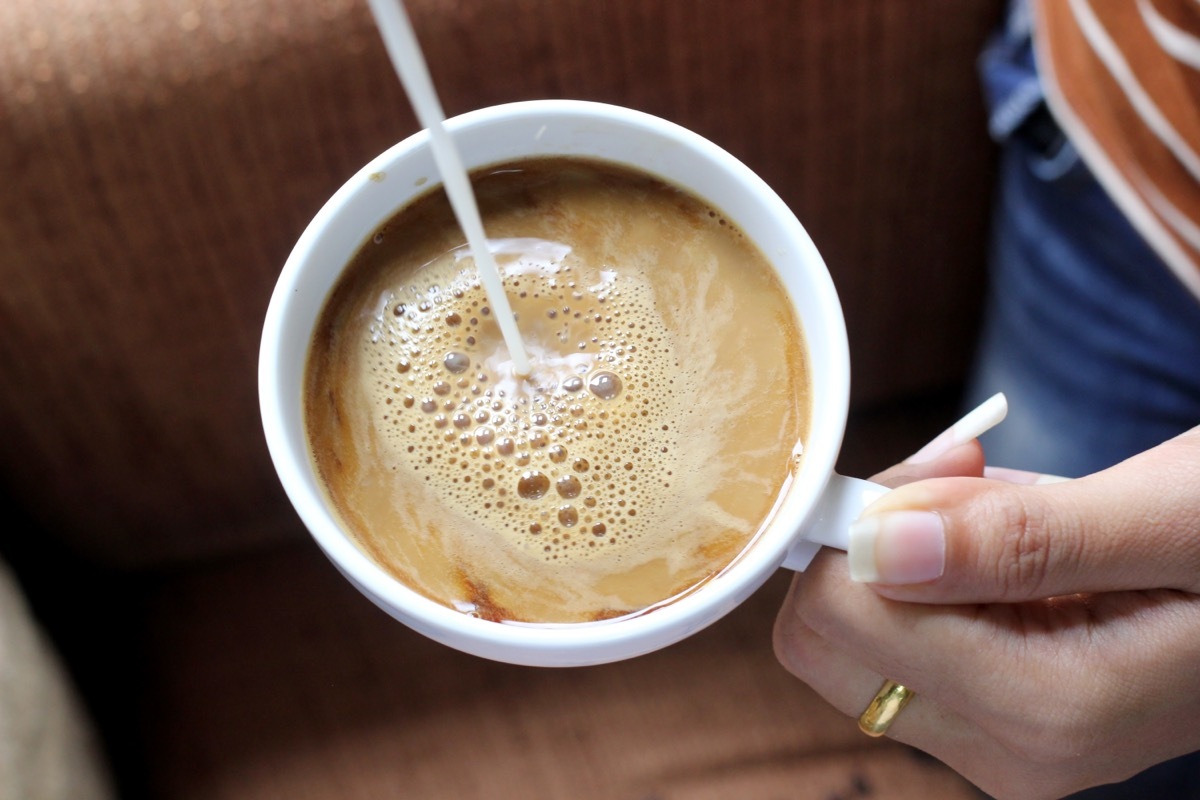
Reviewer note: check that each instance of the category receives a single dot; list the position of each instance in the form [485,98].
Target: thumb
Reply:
[968,540]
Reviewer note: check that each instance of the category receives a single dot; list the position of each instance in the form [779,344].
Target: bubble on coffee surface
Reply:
[562,463]
[604,384]
[457,363]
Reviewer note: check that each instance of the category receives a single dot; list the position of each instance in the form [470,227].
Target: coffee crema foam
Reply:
[644,452]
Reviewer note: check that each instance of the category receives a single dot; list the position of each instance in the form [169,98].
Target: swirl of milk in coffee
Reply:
[643,453]
[562,463]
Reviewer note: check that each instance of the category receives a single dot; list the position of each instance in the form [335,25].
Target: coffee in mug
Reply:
[647,450]
[746,364]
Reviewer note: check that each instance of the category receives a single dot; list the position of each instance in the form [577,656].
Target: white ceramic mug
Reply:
[817,506]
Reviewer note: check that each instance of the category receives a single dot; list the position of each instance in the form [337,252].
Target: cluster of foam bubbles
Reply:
[563,463]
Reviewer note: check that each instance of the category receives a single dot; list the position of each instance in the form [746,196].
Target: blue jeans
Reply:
[1095,342]
[1093,339]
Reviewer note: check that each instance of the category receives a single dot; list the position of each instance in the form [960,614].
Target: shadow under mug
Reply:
[815,508]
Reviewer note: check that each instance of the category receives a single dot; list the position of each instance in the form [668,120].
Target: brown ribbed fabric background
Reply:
[160,157]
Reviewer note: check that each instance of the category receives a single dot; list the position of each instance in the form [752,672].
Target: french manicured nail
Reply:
[987,415]
[897,547]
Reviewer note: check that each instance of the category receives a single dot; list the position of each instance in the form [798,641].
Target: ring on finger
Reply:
[883,709]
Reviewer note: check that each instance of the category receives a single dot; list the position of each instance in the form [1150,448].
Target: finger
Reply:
[846,683]
[931,460]
[849,686]
[955,451]
[965,460]
[978,706]
[961,540]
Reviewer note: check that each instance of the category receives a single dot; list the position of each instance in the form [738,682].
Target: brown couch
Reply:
[158,159]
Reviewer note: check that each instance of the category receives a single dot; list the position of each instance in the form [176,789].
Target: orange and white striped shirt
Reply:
[1122,78]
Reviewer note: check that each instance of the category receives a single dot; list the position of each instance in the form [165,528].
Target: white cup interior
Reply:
[532,129]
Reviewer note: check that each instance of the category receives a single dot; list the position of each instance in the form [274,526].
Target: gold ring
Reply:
[881,713]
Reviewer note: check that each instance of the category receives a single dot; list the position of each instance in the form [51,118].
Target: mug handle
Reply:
[840,504]
[845,498]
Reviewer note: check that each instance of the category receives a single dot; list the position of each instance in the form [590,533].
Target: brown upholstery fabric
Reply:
[315,693]
[161,156]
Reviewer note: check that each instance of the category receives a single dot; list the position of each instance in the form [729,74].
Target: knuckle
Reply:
[1022,556]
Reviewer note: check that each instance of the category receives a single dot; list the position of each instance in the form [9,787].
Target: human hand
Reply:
[1050,632]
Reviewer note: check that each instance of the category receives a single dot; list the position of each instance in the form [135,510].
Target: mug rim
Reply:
[558,644]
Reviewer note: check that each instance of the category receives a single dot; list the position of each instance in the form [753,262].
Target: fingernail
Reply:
[897,547]
[987,415]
